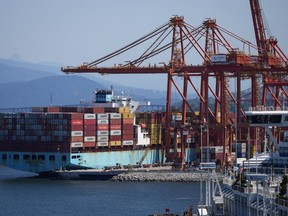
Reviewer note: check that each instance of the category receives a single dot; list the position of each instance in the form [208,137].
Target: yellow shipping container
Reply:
[124,110]
[115,143]
[128,115]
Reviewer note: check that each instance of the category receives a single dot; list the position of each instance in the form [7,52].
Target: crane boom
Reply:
[258,26]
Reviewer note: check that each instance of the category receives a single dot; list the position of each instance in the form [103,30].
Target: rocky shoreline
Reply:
[163,176]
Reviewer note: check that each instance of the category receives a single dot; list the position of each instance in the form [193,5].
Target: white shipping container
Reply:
[102,133]
[102,138]
[115,116]
[102,143]
[76,133]
[102,122]
[115,132]
[127,142]
[102,116]
[178,117]
[89,139]
[89,116]
[219,58]
[76,144]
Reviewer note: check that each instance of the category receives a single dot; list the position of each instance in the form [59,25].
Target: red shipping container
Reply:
[90,122]
[89,132]
[115,138]
[77,116]
[76,122]
[98,109]
[89,144]
[115,121]
[127,121]
[127,132]
[127,136]
[102,127]
[127,127]
[76,127]
[115,127]
[90,127]
[53,109]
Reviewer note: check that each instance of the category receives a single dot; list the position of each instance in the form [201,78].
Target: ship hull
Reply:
[44,162]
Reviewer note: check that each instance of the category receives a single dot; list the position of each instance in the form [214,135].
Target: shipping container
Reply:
[90,127]
[89,116]
[102,144]
[127,121]
[102,133]
[115,116]
[89,138]
[114,143]
[127,142]
[115,127]
[90,122]
[102,138]
[102,122]
[102,127]
[76,133]
[115,132]
[115,138]
[115,121]
[76,144]
[89,144]
[102,116]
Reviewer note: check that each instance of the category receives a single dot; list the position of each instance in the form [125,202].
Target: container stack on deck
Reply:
[153,122]
[67,128]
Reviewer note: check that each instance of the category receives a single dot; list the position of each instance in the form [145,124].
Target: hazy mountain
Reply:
[56,90]
[25,84]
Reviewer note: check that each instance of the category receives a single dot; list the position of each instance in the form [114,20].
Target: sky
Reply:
[70,32]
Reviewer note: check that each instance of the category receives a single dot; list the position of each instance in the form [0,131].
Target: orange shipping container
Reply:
[128,121]
[77,138]
[89,144]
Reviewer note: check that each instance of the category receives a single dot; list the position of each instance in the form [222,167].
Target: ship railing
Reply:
[268,108]
[282,202]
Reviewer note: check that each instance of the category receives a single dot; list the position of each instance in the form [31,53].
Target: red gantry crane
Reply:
[271,56]
[220,62]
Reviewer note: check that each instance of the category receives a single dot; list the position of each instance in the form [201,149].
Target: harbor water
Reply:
[34,196]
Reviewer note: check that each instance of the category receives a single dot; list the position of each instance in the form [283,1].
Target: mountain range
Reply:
[26,84]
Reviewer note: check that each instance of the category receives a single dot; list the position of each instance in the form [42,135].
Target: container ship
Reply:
[105,132]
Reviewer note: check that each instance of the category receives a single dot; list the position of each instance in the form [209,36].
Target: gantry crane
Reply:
[271,56]
[207,41]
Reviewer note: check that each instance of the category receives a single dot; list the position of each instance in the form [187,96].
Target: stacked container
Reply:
[115,129]
[153,121]
[102,132]
[127,127]
[89,130]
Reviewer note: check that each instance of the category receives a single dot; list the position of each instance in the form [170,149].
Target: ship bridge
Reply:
[267,117]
